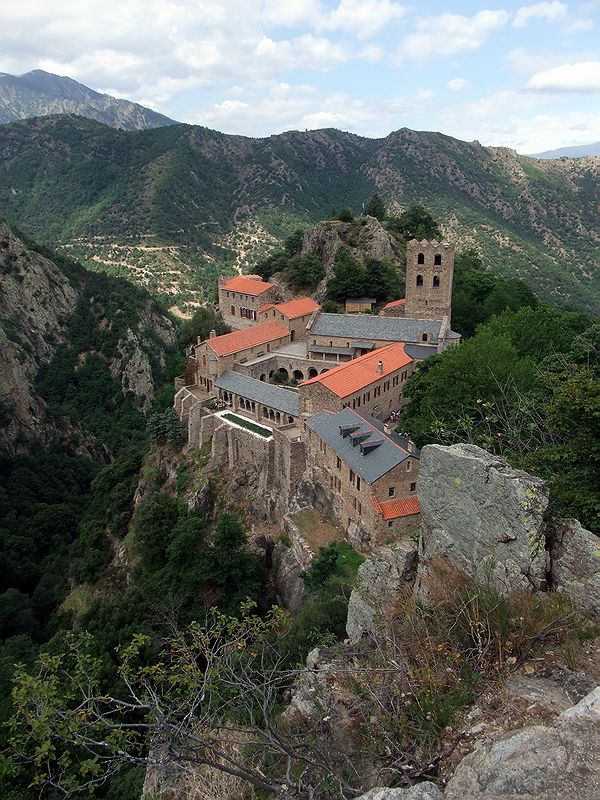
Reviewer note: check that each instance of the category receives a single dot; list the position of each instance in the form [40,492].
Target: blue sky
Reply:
[521,75]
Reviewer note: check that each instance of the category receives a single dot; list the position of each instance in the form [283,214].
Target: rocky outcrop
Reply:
[537,763]
[480,519]
[37,301]
[291,591]
[380,582]
[575,560]
[366,239]
[421,791]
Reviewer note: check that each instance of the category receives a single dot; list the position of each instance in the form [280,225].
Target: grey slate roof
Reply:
[369,464]
[420,351]
[372,327]
[260,392]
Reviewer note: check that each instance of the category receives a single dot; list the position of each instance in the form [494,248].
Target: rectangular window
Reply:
[358,482]
[408,465]
[359,507]
[351,475]
[413,487]
[392,491]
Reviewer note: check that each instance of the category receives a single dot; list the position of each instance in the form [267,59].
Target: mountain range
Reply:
[173,207]
[577,151]
[39,93]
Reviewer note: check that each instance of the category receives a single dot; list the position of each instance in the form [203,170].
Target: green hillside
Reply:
[174,206]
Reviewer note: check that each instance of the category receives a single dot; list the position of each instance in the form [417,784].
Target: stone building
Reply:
[372,383]
[395,308]
[429,275]
[219,353]
[369,473]
[241,297]
[352,335]
[260,401]
[293,315]
[360,305]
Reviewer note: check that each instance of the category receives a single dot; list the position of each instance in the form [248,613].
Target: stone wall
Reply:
[299,369]
[429,285]
[231,305]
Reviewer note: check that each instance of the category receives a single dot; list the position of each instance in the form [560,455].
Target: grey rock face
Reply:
[480,518]
[290,586]
[575,555]
[379,584]
[559,762]
[421,791]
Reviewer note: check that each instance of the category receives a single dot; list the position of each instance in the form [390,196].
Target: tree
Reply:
[346,215]
[348,278]
[375,207]
[416,223]
[200,325]
[305,272]
[165,428]
[381,279]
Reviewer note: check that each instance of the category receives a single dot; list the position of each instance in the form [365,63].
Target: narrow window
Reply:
[437,260]
[436,281]
[419,280]
[233,311]
[421,258]
[358,481]
[424,337]
[408,465]
[413,487]
[392,491]
[339,462]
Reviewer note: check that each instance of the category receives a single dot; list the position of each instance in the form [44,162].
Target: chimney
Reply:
[380,367]
[212,334]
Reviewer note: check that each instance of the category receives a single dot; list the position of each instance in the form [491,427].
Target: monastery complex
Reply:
[311,394]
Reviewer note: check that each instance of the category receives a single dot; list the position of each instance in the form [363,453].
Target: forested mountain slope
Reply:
[71,342]
[39,93]
[172,207]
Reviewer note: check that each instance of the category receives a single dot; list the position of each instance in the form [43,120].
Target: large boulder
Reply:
[420,791]
[575,559]
[291,591]
[480,519]
[537,763]
[379,586]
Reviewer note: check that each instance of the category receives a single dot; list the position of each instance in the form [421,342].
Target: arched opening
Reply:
[419,280]
[298,375]
[324,370]
[233,311]
[436,281]
[292,335]
[272,415]
[278,417]
[281,376]
[271,373]
[290,420]
[421,258]
[425,337]
[263,377]
[437,260]
[265,413]
[312,373]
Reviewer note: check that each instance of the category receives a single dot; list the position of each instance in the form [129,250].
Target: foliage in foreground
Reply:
[211,695]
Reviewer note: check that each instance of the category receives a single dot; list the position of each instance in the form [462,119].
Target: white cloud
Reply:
[301,107]
[457,84]
[579,26]
[550,11]
[521,121]
[581,77]
[451,33]
[291,12]
[362,18]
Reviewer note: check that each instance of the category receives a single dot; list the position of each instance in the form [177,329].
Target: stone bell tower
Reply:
[429,273]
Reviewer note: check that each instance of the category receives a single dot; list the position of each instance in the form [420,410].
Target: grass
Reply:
[244,423]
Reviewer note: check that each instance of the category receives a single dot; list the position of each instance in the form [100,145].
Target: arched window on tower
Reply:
[421,258]
[419,280]
[436,281]
[437,260]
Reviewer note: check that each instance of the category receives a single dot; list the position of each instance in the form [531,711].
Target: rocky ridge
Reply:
[192,187]
[37,301]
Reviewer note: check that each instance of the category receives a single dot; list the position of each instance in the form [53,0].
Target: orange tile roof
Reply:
[298,307]
[266,307]
[230,343]
[242,283]
[352,376]
[393,509]
[394,303]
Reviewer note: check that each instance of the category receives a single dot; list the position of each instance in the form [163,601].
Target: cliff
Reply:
[48,309]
